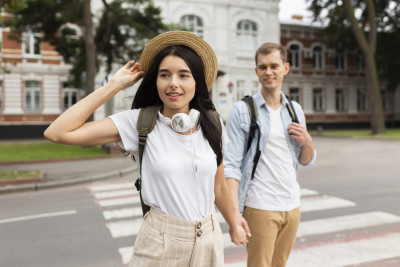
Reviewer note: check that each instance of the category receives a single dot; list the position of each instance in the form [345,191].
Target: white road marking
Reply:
[38,216]
[109,187]
[119,201]
[122,213]
[116,193]
[343,223]
[126,254]
[347,253]
[124,228]
[343,253]
[307,192]
[324,203]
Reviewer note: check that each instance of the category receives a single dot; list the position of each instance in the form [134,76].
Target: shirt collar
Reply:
[259,99]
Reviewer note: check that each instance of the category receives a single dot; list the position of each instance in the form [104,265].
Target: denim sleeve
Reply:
[234,155]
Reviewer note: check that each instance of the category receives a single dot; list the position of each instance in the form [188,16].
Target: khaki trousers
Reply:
[166,241]
[272,236]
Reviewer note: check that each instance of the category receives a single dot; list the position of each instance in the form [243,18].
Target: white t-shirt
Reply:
[178,171]
[275,185]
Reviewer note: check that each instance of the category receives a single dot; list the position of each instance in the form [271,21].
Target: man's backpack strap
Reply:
[254,127]
[291,110]
[145,124]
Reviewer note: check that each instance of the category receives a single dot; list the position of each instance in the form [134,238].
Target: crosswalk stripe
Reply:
[347,222]
[307,192]
[347,253]
[324,203]
[109,187]
[124,228]
[119,201]
[126,254]
[116,193]
[122,213]
[329,254]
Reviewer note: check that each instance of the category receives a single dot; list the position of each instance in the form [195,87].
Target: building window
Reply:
[246,33]
[31,44]
[193,24]
[32,96]
[294,56]
[294,94]
[318,59]
[340,61]
[360,62]
[69,96]
[318,97]
[340,100]
[362,97]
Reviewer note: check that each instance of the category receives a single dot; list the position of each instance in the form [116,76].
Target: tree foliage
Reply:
[120,29]
[371,26]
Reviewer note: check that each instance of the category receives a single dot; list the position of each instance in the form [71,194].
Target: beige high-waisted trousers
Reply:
[166,241]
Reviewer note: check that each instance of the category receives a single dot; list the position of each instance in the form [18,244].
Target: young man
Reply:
[270,200]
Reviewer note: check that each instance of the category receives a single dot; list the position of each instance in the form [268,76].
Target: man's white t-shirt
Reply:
[178,171]
[275,185]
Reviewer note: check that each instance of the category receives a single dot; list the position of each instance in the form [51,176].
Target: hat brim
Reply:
[191,40]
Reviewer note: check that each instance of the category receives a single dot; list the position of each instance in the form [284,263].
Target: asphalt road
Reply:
[68,226]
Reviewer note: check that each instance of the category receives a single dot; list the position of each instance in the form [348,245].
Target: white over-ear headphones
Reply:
[181,122]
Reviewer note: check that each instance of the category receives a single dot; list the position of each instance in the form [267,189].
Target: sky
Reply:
[287,8]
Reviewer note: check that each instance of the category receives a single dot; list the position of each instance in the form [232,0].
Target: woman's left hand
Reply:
[238,235]
[128,75]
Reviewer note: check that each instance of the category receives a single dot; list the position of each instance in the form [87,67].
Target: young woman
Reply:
[182,169]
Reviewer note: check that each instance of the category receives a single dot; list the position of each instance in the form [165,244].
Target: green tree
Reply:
[360,22]
[116,33]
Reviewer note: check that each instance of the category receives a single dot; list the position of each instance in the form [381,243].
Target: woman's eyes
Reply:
[165,75]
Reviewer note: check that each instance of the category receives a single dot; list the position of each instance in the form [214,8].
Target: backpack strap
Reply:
[254,127]
[291,110]
[145,124]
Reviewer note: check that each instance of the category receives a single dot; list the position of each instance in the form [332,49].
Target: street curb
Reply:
[66,182]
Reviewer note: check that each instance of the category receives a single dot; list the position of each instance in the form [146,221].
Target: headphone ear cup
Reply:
[181,123]
[194,115]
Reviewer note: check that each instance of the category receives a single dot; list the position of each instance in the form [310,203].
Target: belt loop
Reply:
[212,220]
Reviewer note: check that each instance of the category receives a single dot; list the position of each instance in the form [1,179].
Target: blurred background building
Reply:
[330,85]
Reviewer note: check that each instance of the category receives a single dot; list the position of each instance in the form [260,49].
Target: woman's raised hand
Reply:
[127,76]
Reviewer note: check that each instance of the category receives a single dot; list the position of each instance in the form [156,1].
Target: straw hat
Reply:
[196,43]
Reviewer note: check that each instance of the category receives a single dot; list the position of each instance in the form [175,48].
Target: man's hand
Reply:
[242,223]
[299,133]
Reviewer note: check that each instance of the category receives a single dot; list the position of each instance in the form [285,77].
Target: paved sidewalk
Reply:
[61,173]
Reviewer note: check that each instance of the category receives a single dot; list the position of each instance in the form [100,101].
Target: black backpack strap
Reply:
[145,124]
[254,127]
[291,110]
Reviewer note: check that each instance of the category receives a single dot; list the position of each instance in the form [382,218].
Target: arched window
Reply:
[193,24]
[294,56]
[246,33]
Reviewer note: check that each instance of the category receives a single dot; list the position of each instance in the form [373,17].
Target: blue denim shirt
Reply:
[237,163]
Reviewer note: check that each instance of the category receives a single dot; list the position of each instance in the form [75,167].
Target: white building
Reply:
[234,29]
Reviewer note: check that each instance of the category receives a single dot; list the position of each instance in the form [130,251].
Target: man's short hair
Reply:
[268,48]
